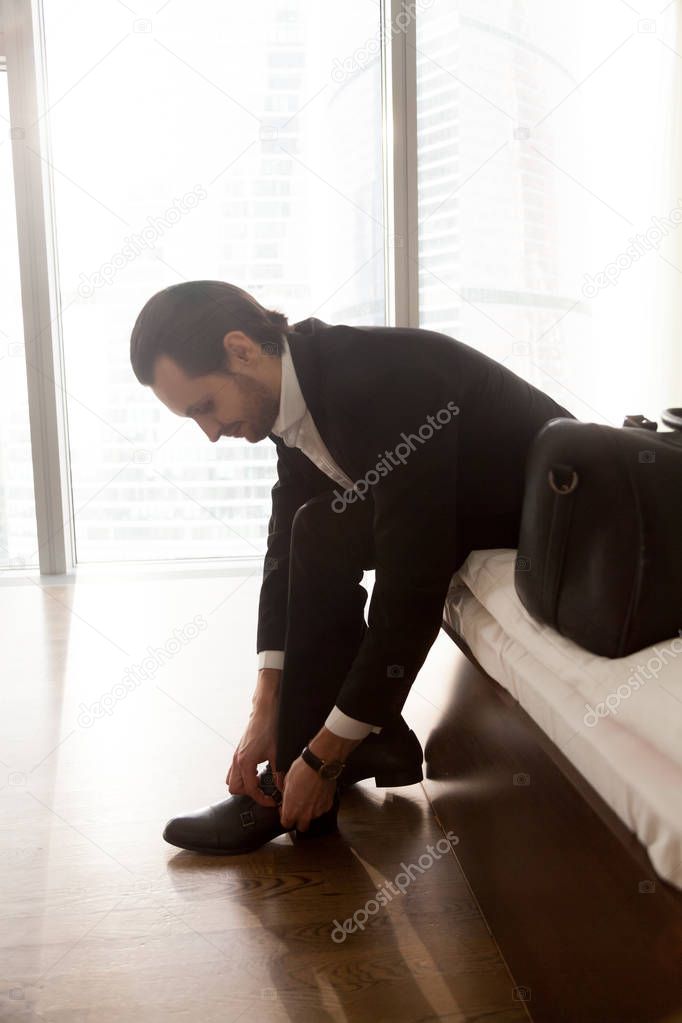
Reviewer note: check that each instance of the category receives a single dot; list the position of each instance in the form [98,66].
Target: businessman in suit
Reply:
[398,450]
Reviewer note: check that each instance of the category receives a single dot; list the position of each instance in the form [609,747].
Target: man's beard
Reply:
[260,408]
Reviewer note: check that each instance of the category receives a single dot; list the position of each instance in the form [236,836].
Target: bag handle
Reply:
[672,417]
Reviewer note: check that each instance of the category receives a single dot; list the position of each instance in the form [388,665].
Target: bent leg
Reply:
[325,615]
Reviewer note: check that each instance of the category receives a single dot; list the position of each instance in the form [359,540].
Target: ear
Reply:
[238,346]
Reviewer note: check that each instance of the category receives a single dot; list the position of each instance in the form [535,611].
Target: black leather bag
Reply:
[600,543]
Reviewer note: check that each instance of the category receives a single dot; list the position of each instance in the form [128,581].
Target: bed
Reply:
[618,721]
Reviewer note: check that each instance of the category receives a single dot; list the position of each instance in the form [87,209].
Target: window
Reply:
[546,138]
[226,142]
[506,173]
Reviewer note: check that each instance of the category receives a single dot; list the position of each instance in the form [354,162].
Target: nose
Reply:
[211,428]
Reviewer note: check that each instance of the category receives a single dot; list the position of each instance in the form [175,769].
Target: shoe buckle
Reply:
[247,818]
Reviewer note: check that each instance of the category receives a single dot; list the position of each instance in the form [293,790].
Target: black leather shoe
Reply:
[239,824]
[392,758]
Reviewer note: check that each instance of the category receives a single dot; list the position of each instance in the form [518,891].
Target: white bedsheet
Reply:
[627,741]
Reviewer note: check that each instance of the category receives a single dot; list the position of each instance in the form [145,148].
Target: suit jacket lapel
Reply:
[307,355]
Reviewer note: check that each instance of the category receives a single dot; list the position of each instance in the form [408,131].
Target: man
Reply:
[399,450]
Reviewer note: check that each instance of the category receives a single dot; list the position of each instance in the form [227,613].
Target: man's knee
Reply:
[317,531]
[310,518]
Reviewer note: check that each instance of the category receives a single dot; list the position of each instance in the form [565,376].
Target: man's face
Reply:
[245,404]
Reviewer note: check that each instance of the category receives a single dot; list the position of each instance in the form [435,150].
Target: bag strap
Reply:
[562,480]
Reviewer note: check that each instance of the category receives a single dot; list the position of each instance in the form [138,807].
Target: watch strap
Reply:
[316,763]
[311,759]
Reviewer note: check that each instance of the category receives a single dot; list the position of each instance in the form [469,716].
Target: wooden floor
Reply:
[102,921]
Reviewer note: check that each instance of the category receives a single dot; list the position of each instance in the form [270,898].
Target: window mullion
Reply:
[24,49]
[399,90]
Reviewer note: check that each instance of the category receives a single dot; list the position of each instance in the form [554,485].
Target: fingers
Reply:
[242,779]
[234,778]
[300,816]
[249,773]
[289,820]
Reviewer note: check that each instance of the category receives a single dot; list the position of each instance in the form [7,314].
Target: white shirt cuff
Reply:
[271,659]
[347,727]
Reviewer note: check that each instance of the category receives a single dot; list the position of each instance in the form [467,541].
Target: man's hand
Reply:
[306,794]
[259,741]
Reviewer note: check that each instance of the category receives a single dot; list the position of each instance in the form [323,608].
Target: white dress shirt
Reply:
[295,426]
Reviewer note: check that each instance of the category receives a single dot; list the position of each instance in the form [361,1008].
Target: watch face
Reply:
[332,769]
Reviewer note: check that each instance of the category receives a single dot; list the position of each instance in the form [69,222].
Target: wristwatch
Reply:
[325,768]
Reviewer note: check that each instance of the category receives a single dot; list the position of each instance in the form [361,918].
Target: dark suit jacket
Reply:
[369,390]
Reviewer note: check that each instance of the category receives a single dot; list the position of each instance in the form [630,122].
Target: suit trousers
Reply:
[329,552]
[325,614]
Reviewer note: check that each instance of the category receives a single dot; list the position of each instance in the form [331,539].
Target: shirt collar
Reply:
[292,406]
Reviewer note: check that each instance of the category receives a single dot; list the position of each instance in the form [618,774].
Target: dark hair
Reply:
[188,322]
